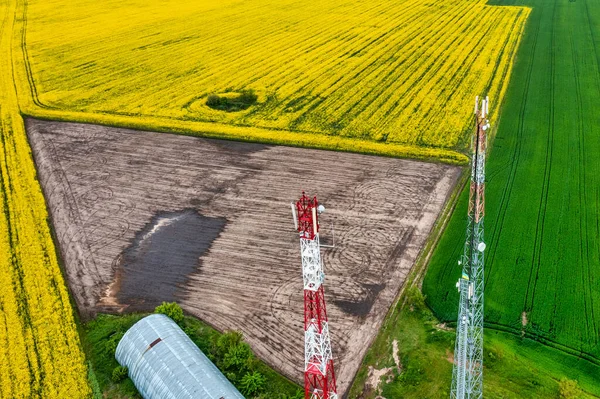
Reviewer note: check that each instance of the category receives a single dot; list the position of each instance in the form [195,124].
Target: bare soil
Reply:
[143,217]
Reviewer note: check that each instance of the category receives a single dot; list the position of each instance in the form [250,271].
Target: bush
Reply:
[213,100]
[226,342]
[110,346]
[247,97]
[238,357]
[415,298]
[119,374]
[252,383]
[233,356]
[171,309]
[232,104]
[568,389]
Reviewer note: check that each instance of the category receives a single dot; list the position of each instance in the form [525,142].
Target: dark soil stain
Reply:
[239,147]
[363,306]
[399,249]
[162,256]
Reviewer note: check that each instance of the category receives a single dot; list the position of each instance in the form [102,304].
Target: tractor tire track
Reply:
[32,86]
[541,217]
[583,224]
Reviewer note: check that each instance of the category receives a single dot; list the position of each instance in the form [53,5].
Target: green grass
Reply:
[514,367]
[543,193]
[98,333]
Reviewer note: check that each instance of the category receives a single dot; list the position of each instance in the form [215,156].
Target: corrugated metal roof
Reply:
[164,363]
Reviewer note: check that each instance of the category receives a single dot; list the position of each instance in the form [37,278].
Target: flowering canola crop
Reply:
[40,351]
[396,78]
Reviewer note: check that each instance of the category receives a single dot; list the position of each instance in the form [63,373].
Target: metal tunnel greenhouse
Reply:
[163,363]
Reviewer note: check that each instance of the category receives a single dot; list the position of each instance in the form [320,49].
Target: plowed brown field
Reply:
[143,217]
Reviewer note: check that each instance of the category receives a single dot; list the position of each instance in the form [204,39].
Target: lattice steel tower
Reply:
[467,372]
[319,377]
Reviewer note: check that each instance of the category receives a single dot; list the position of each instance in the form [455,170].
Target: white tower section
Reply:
[312,268]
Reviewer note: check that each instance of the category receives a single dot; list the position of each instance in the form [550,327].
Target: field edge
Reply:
[250,134]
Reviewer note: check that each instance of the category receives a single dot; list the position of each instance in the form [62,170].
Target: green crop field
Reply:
[543,190]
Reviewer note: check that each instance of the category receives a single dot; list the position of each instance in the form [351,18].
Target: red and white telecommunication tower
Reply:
[319,377]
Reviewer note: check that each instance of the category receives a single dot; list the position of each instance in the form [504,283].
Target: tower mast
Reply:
[319,376]
[467,371]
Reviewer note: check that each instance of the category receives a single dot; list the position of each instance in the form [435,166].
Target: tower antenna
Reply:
[467,371]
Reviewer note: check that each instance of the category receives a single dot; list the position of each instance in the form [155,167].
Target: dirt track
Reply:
[143,217]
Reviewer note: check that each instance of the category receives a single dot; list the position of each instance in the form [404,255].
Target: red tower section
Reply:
[308,218]
[319,375]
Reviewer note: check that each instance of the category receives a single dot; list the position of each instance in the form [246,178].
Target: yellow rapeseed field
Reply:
[40,350]
[387,77]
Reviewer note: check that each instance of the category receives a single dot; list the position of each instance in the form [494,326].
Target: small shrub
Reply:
[171,309]
[238,358]
[568,389]
[252,383]
[231,376]
[225,342]
[415,298]
[247,97]
[232,356]
[110,346]
[190,332]
[119,374]
[213,100]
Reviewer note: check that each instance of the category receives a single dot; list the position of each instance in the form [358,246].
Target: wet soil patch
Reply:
[363,306]
[162,256]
